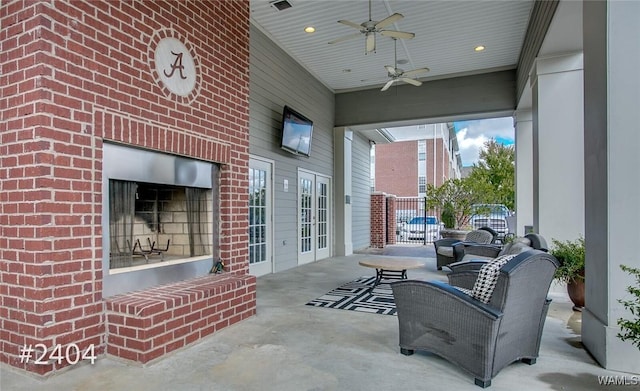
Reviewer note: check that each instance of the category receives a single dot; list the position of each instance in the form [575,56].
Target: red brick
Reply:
[51,148]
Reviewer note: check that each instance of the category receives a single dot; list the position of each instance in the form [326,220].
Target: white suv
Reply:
[493,216]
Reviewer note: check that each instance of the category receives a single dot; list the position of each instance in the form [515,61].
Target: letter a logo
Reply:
[175,67]
[177,64]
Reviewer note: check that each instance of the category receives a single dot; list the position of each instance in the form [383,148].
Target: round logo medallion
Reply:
[175,66]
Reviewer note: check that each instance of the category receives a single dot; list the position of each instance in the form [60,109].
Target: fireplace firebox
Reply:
[160,217]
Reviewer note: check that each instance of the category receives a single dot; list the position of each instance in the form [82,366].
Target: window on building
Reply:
[422,184]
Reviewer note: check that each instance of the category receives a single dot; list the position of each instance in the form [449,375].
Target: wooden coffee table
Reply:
[391,268]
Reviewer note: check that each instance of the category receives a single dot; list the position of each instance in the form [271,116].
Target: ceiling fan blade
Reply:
[397,34]
[389,83]
[390,69]
[389,20]
[411,81]
[345,38]
[351,24]
[371,42]
[415,72]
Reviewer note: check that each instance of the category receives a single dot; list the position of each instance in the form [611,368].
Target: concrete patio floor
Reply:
[291,346]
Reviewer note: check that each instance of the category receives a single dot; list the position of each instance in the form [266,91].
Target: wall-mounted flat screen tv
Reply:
[297,131]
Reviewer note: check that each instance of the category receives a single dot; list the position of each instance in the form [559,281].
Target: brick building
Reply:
[404,168]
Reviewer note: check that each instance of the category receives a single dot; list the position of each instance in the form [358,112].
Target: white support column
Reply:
[342,139]
[558,154]
[612,180]
[524,170]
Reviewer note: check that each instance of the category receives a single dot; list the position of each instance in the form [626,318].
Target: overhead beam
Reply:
[465,96]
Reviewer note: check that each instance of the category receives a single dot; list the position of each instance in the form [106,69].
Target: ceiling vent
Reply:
[281,5]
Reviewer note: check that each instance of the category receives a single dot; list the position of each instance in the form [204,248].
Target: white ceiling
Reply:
[446,33]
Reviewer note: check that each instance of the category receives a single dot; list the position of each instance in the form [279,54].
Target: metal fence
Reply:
[414,223]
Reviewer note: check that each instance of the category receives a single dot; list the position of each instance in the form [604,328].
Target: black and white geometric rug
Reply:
[355,296]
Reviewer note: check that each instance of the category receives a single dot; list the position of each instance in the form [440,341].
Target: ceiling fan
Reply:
[396,74]
[371,27]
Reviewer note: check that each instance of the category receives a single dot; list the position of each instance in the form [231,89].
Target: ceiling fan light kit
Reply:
[396,74]
[369,29]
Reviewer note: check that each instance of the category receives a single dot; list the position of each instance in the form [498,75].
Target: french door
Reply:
[314,217]
[260,220]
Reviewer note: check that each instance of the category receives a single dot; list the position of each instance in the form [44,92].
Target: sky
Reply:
[473,134]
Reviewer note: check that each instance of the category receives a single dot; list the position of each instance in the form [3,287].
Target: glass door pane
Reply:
[306,215]
[257,215]
[322,217]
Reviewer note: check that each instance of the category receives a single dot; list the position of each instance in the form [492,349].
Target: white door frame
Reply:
[261,223]
[314,216]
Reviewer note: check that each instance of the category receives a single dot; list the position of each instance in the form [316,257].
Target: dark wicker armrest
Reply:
[463,279]
[447,242]
[482,250]
[446,292]
[459,250]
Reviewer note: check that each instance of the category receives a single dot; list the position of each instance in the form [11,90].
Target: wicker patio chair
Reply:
[451,250]
[475,255]
[480,334]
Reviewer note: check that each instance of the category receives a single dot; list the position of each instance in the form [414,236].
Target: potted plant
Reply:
[570,255]
[630,328]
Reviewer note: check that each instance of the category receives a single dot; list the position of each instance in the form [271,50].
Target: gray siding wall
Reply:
[277,80]
[360,193]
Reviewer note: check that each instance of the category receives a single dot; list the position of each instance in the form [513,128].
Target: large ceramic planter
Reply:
[453,234]
[576,293]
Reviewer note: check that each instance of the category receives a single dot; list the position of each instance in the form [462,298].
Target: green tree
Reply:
[454,199]
[495,172]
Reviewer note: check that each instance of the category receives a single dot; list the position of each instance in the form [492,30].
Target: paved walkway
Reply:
[291,346]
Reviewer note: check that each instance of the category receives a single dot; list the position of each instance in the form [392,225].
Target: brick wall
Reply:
[143,326]
[378,219]
[397,168]
[442,162]
[391,221]
[74,75]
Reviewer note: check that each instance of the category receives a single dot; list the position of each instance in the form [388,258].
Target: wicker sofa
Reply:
[481,338]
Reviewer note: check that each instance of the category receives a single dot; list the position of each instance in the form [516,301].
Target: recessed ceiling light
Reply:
[309,29]
[479,48]
[346,70]
[403,61]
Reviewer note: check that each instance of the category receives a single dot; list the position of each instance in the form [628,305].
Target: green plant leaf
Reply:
[571,256]
[630,328]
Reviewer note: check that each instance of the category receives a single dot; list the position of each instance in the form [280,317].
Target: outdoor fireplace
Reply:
[150,223]
[159,218]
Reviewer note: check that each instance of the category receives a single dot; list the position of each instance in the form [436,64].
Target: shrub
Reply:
[570,254]
[630,328]
[448,216]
